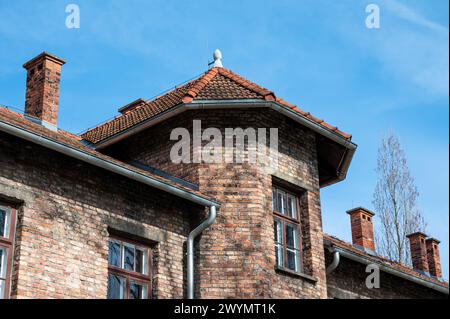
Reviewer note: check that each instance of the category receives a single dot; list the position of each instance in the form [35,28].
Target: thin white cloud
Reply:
[411,50]
[412,16]
[420,55]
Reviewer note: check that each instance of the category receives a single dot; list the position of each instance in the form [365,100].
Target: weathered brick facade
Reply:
[67,210]
[237,244]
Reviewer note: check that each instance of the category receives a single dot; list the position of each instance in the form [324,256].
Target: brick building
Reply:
[109,214]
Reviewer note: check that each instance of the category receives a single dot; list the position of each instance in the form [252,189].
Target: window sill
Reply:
[292,273]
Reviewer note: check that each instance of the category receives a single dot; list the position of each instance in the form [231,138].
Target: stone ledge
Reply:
[285,271]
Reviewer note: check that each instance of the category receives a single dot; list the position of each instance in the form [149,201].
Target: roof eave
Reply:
[342,175]
[217,104]
[393,271]
[103,163]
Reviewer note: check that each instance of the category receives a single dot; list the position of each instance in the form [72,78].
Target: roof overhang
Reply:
[335,152]
[111,166]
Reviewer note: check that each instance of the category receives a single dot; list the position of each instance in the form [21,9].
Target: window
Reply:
[7,225]
[286,230]
[129,274]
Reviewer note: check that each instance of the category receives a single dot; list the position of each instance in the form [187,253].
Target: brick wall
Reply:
[237,252]
[347,281]
[67,207]
[152,147]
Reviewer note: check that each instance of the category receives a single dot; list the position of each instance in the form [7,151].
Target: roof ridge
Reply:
[267,94]
[200,84]
[196,88]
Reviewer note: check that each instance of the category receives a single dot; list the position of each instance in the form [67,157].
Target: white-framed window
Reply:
[129,270]
[286,230]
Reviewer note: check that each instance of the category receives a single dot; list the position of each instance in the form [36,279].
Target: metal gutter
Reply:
[390,270]
[105,164]
[190,249]
[235,104]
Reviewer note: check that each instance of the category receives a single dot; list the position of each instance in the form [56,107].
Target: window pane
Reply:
[274,199]
[292,259]
[2,289]
[141,261]
[2,263]
[116,286]
[292,207]
[114,257]
[4,221]
[279,255]
[277,231]
[278,242]
[138,291]
[291,236]
[282,202]
[128,262]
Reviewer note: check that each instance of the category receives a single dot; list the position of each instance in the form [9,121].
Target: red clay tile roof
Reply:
[395,265]
[215,84]
[71,140]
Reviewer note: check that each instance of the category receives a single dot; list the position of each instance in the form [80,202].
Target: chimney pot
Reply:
[42,93]
[418,251]
[362,228]
[434,260]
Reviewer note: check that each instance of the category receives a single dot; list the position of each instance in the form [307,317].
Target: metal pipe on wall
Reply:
[190,249]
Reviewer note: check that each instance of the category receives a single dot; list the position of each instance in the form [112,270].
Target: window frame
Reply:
[7,243]
[285,219]
[133,276]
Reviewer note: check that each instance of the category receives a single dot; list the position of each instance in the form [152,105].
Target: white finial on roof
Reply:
[217,59]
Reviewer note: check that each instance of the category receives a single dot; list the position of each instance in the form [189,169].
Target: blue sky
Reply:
[317,54]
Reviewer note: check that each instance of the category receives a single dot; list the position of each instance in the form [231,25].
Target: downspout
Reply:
[190,249]
[335,263]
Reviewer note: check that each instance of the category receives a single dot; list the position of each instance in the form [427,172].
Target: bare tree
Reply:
[395,199]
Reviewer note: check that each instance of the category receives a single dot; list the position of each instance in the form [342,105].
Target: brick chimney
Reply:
[42,96]
[418,251]
[362,228]
[434,261]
